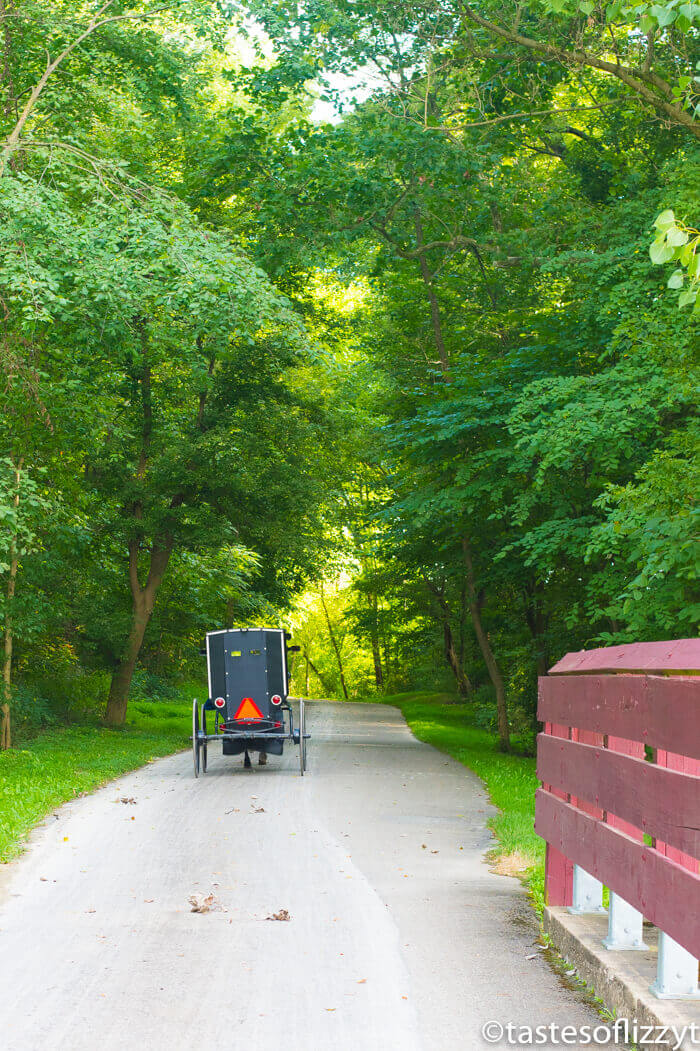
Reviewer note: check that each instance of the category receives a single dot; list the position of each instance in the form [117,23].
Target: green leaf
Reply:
[666,219]
[663,15]
[677,237]
[685,254]
[660,252]
[676,279]
[687,296]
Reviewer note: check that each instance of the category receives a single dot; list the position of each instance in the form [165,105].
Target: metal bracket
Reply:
[625,926]
[588,893]
[677,972]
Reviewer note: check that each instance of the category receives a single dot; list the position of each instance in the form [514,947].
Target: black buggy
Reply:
[248,693]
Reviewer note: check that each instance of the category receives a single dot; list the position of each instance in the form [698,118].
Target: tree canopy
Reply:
[419,379]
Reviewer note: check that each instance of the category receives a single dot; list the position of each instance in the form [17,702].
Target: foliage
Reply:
[530,378]
[676,241]
[410,379]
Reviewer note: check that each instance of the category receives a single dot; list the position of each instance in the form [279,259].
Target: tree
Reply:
[22,505]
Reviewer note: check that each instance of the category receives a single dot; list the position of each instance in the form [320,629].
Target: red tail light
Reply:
[219,702]
[276,699]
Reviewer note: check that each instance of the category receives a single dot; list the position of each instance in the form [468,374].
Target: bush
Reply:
[29,711]
[148,686]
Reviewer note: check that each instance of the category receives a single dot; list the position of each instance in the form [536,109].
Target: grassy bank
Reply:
[64,762]
[510,779]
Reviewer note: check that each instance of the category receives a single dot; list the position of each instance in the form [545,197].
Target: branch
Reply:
[52,65]
[641,81]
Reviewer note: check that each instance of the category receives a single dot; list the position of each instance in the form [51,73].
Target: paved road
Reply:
[400,938]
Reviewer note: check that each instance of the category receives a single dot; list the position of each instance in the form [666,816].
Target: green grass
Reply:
[509,779]
[65,762]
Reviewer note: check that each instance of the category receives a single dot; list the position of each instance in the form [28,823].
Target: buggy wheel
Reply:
[203,744]
[195,737]
[302,739]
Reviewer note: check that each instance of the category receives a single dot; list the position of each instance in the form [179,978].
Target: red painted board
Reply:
[661,802]
[635,749]
[558,870]
[665,893]
[678,655]
[686,857]
[653,709]
[582,800]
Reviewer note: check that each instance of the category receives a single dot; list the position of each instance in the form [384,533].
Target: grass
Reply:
[510,780]
[64,762]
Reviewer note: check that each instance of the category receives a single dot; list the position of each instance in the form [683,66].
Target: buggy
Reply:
[248,682]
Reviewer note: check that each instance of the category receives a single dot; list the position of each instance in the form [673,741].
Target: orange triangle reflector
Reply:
[248,709]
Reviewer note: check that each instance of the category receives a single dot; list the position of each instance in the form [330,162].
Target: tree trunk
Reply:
[429,282]
[8,639]
[464,686]
[5,723]
[487,652]
[533,616]
[115,715]
[143,601]
[376,652]
[326,687]
[336,649]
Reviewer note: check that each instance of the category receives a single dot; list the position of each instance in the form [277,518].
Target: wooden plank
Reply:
[678,655]
[661,802]
[653,709]
[558,878]
[665,893]
[558,870]
[582,800]
[625,747]
[668,846]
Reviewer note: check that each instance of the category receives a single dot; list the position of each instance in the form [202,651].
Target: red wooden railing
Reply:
[602,709]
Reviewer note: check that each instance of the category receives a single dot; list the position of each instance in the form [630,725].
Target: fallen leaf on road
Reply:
[200,904]
[532,956]
[126,799]
[281,915]
[437,851]
[91,910]
[259,810]
[361,981]
[43,879]
[331,1008]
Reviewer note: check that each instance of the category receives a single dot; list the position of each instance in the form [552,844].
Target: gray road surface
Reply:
[400,938]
